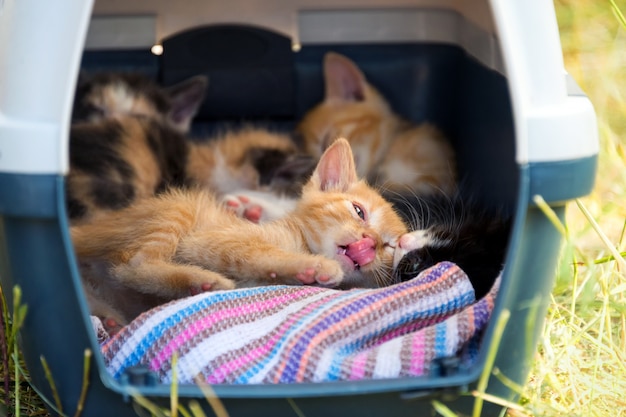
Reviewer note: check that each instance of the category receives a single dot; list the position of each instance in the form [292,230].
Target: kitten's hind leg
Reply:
[169,280]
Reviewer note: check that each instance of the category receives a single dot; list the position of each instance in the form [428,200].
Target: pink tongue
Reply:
[362,251]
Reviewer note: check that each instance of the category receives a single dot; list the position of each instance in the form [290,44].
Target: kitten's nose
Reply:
[362,251]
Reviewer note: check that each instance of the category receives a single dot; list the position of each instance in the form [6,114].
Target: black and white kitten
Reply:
[457,230]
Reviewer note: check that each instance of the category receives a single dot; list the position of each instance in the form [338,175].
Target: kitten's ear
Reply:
[344,80]
[186,98]
[335,170]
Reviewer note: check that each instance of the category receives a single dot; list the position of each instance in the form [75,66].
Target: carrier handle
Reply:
[550,124]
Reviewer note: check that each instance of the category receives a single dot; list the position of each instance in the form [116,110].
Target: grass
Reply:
[580,366]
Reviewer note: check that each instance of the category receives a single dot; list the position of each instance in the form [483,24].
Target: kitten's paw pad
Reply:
[243,207]
[328,274]
[324,279]
[253,213]
[307,276]
[111,326]
[215,285]
[201,288]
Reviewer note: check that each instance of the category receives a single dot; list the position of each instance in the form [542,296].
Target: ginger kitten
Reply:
[390,152]
[341,233]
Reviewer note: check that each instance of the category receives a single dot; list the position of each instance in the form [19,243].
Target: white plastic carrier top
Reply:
[41,43]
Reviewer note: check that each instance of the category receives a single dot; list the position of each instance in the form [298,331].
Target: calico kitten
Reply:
[126,140]
[116,161]
[111,94]
[127,143]
[457,230]
[341,233]
[390,152]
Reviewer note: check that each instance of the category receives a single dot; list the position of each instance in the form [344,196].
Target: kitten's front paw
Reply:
[408,242]
[243,207]
[327,273]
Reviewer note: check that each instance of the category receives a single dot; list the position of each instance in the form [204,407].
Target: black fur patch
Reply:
[266,162]
[112,195]
[94,153]
[284,172]
[171,151]
[75,208]
[474,239]
[292,174]
[93,149]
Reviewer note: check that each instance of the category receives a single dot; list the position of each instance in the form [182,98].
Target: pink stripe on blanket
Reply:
[418,358]
[358,367]
[229,368]
[206,322]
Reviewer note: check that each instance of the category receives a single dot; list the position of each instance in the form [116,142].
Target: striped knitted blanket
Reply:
[286,334]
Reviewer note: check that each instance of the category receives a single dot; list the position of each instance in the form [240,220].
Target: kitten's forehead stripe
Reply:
[120,99]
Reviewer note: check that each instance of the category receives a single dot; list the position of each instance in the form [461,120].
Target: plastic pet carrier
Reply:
[488,72]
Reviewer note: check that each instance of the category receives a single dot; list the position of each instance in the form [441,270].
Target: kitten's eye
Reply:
[359,211]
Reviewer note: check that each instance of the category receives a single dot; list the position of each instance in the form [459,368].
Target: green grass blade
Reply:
[295,407]
[442,409]
[43,398]
[196,409]
[53,388]
[83,392]
[491,357]
[602,235]
[145,403]
[216,404]
[17,379]
[174,386]
[609,258]
[551,215]
[4,348]
[618,13]
[183,411]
